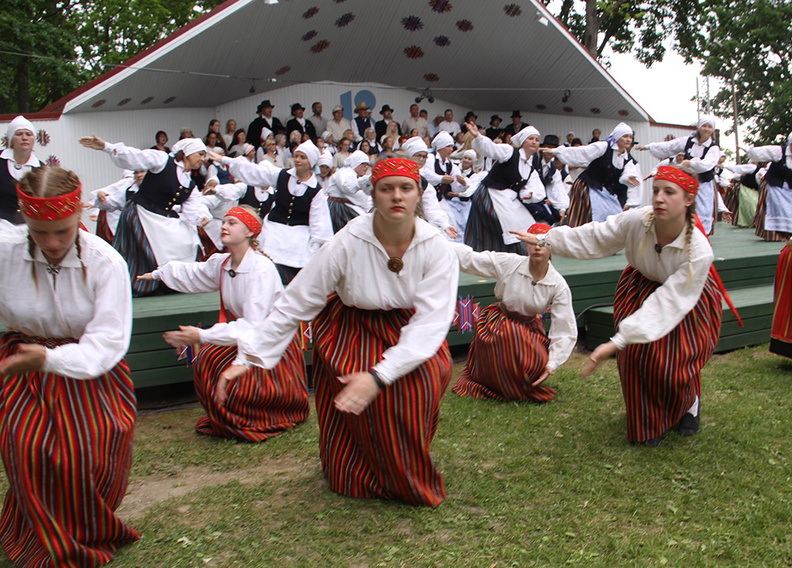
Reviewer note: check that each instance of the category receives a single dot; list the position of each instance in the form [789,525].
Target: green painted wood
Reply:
[163,376]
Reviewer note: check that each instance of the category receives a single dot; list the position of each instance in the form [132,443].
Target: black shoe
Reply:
[689,425]
[654,442]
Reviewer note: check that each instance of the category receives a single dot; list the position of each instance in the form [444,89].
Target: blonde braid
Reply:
[31,252]
[79,257]
[642,245]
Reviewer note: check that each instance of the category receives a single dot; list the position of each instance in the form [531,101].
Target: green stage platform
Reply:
[746,264]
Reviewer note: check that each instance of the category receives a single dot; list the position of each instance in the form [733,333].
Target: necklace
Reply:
[395,264]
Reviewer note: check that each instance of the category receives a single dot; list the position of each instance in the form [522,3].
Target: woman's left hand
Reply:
[634,181]
[360,390]
[525,237]
[29,357]
[187,335]
[547,372]
[451,232]
[598,356]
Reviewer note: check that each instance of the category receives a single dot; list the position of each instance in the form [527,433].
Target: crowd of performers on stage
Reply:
[369,252]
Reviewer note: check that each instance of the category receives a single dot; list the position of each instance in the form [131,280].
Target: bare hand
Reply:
[525,237]
[29,357]
[187,335]
[562,213]
[634,181]
[214,156]
[727,217]
[231,373]
[598,356]
[360,390]
[546,373]
[447,179]
[472,128]
[102,197]
[462,180]
[93,217]
[640,147]
[451,232]
[146,276]
[210,187]
[93,142]
[204,222]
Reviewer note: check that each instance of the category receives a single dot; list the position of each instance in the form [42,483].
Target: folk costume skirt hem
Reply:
[484,230]
[781,333]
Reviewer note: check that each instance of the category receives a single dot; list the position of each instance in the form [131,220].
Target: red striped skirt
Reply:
[383,452]
[67,449]
[103,229]
[781,334]
[506,355]
[260,404]
[660,380]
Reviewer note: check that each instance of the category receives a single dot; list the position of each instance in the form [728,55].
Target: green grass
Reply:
[528,485]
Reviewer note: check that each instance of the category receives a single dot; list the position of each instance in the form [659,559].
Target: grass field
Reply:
[528,485]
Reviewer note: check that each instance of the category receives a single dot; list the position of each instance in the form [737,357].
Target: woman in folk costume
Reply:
[15,161]
[112,199]
[68,407]
[498,205]
[265,403]
[457,203]
[699,155]
[744,192]
[667,308]
[611,181]
[511,354]
[380,359]
[149,231]
[349,189]
[299,221]
[781,333]
[415,149]
[773,218]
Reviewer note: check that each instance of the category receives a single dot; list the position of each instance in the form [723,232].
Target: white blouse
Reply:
[770,154]
[19,173]
[95,309]
[249,295]
[534,190]
[354,265]
[667,306]
[430,175]
[516,291]
[345,184]
[698,165]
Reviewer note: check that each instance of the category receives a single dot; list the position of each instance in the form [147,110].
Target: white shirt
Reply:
[557,192]
[337,129]
[667,306]
[249,295]
[430,175]
[770,154]
[354,264]
[516,292]
[534,190]
[345,184]
[18,174]
[698,165]
[449,126]
[419,124]
[96,311]
[582,156]
[288,245]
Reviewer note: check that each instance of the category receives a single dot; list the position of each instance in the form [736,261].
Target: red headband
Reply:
[247,218]
[677,176]
[50,208]
[395,167]
[538,229]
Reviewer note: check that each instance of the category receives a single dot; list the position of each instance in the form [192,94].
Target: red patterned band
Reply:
[50,208]
[395,167]
[677,176]
[538,229]
[246,217]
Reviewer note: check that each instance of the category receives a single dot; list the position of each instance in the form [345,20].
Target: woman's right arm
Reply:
[127,157]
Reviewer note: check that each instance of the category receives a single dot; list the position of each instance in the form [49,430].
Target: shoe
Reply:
[689,424]
[654,442]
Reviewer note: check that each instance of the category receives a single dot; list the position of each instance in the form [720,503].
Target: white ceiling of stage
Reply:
[479,54]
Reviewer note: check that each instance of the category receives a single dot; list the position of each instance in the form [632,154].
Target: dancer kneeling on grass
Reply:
[511,354]
[266,403]
[667,309]
[380,360]
[68,404]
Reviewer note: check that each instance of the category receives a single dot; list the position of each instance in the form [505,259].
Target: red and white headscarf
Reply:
[395,167]
[50,208]
[247,218]
[684,180]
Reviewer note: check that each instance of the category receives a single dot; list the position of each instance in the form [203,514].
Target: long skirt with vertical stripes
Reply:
[103,227]
[340,212]
[67,450]
[506,356]
[759,219]
[383,452]
[579,212]
[484,231]
[261,404]
[131,242]
[731,199]
[661,380]
[781,333]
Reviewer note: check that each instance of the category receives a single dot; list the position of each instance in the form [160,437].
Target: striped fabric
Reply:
[731,199]
[781,334]
[759,219]
[260,404]
[660,380]
[505,357]
[67,449]
[579,212]
[131,242]
[340,212]
[103,228]
[484,231]
[384,452]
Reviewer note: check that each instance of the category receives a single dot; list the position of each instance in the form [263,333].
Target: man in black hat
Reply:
[470,116]
[297,122]
[494,129]
[516,125]
[381,125]
[264,120]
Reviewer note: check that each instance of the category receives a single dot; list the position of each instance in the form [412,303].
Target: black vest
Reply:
[289,209]
[159,193]
[506,175]
[9,206]
[778,173]
[602,174]
[362,124]
[749,179]
[261,207]
[538,165]
[442,188]
[703,176]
